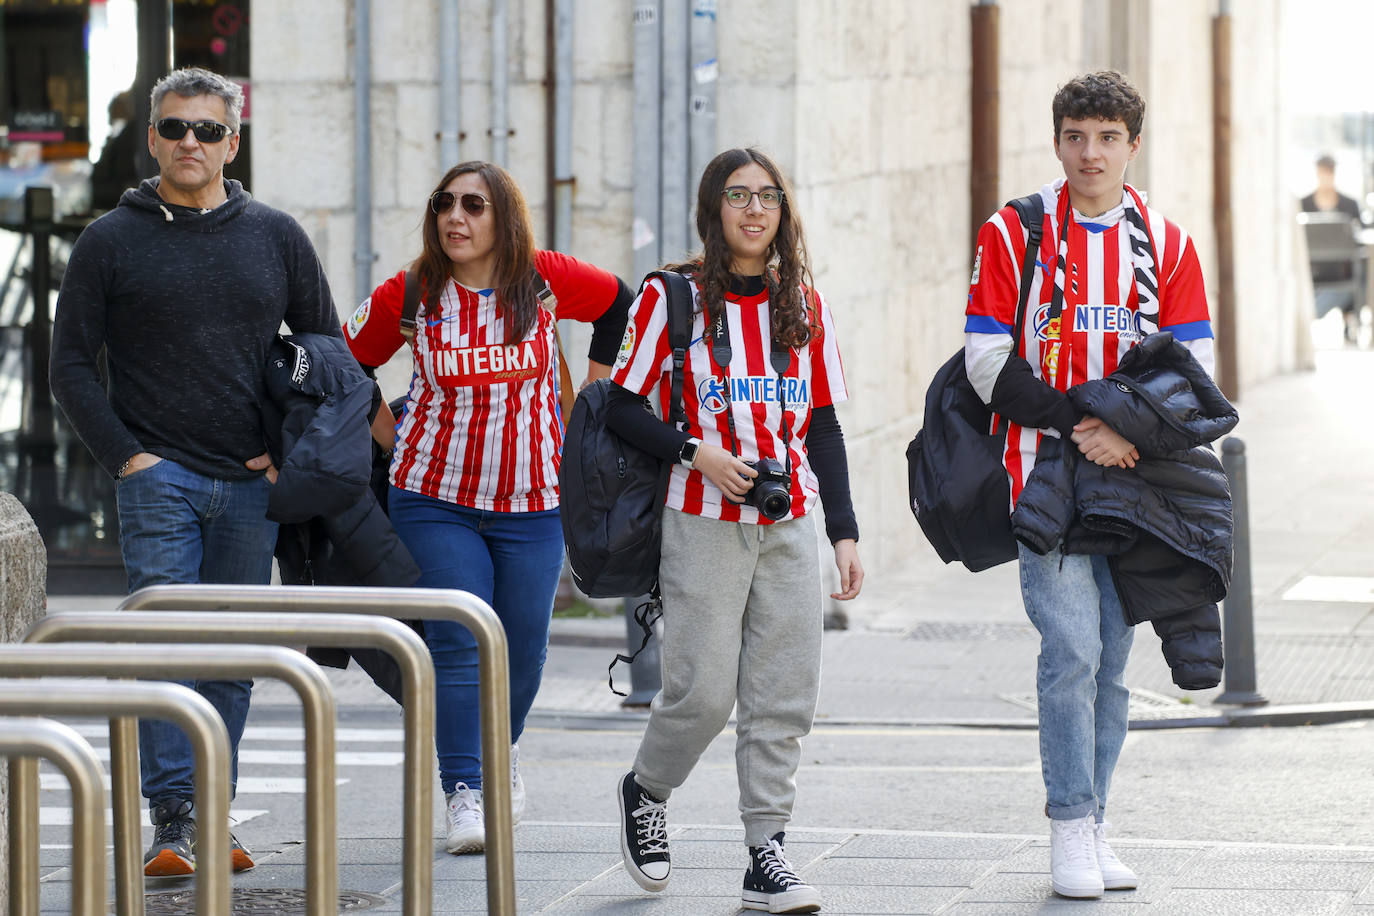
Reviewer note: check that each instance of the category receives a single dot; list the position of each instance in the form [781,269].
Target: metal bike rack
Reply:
[26,738]
[218,663]
[402,603]
[173,702]
[335,630]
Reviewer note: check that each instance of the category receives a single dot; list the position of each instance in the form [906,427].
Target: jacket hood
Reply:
[145,199]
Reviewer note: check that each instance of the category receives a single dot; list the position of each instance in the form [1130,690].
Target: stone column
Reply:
[23,599]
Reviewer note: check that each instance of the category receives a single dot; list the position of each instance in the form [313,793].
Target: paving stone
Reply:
[1274,874]
[857,901]
[657,905]
[1255,903]
[912,872]
[904,846]
[531,895]
[1144,860]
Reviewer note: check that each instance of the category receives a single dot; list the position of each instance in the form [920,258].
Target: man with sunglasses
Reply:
[183,286]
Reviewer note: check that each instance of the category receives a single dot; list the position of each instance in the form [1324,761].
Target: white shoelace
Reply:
[464,805]
[1082,850]
[651,824]
[775,864]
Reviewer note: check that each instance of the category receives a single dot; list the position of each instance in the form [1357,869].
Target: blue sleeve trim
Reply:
[1192,330]
[985,324]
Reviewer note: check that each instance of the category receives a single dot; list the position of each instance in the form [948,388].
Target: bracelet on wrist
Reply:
[124,469]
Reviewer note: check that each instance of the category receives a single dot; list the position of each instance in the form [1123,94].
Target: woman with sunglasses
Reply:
[474,474]
[739,573]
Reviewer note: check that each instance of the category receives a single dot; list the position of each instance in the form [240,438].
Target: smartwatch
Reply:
[687,455]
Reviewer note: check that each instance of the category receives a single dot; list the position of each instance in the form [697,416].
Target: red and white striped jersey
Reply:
[814,378]
[1101,317]
[481,425]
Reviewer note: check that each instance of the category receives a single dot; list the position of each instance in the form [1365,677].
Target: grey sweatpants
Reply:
[741,624]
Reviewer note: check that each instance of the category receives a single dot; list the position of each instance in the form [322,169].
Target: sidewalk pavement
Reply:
[935,645]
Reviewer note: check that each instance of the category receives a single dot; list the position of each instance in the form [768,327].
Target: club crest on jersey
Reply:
[1046,328]
[627,346]
[752,389]
[359,318]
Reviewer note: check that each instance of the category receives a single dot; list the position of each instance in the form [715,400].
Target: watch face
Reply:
[689,451]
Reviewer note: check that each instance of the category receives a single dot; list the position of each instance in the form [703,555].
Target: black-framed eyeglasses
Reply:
[205,131]
[738,196]
[473,204]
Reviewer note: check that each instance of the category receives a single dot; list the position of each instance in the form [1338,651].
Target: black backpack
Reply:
[612,492]
[956,481]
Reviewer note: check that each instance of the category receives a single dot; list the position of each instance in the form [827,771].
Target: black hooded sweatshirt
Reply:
[185,304]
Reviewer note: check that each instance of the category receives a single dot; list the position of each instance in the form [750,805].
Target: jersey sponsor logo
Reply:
[977,266]
[752,389]
[359,318]
[488,365]
[627,346]
[1108,319]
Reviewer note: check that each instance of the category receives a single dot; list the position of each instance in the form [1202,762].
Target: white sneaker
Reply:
[466,828]
[1073,858]
[517,787]
[1115,875]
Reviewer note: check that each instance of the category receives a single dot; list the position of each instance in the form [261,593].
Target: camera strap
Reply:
[780,358]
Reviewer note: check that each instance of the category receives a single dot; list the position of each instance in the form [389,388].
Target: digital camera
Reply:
[772,490]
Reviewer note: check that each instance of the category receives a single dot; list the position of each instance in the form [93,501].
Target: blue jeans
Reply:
[177,527]
[511,560]
[1080,677]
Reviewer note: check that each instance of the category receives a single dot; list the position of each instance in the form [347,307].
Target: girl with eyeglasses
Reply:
[474,474]
[739,574]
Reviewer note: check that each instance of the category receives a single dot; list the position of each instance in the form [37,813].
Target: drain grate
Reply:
[246,901]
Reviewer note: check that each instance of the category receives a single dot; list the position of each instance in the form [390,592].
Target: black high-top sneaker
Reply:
[174,840]
[771,885]
[644,835]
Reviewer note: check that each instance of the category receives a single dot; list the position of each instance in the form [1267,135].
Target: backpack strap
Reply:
[679,338]
[1031,209]
[410,303]
[567,394]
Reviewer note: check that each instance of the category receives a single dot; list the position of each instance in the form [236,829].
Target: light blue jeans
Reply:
[180,527]
[1079,678]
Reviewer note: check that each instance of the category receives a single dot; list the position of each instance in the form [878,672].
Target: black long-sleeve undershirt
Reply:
[609,329]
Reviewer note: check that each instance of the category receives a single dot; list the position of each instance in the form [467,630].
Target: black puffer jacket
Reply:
[1164,525]
[334,530]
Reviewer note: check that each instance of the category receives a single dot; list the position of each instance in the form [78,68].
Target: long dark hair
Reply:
[788,267]
[514,244]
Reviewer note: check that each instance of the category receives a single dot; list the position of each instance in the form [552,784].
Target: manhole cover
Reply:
[245,901]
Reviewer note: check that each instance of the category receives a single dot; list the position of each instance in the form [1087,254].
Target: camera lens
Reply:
[773,501]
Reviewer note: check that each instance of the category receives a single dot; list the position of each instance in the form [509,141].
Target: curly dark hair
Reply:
[1104,95]
[513,271]
[788,266]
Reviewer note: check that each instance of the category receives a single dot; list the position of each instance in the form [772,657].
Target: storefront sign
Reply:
[36,127]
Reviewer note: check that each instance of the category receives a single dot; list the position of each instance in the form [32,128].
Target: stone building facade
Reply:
[865,102]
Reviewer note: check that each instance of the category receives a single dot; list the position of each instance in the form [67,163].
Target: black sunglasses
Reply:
[206,131]
[473,204]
